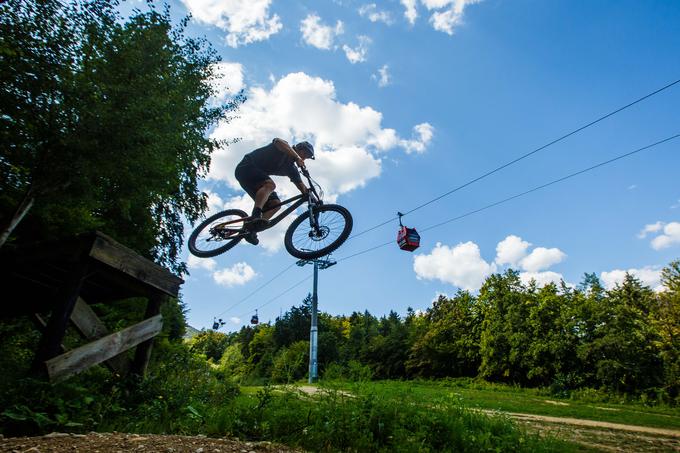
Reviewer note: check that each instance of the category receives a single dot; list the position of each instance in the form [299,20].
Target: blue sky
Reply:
[406,100]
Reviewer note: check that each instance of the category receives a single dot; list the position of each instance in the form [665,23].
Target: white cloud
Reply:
[422,135]
[670,236]
[648,275]
[300,107]
[201,263]
[542,258]
[227,82]
[650,228]
[541,278]
[236,275]
[448,14]
[410,12]
[357,54]
[511,250]
[676,205]
[235,320]
[245,21]
[632,187]
[370,11]
[383,76]
[461,266]
[317,34]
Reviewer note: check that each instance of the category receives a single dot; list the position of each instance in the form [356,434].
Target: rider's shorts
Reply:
[251,179]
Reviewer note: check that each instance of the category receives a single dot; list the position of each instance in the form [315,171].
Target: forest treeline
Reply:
[625,340]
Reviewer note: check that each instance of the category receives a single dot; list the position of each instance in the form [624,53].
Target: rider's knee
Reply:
[269,184]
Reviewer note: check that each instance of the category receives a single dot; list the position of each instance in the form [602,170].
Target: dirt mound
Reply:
[139,443]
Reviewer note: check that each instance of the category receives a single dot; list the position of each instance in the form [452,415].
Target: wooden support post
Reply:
[50,342]
[143,352]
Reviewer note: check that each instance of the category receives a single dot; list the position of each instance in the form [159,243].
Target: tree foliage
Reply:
[625,340]
[103,122]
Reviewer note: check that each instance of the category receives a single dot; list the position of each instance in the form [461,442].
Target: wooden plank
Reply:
[83,357]
[90,327]
[143,352]
[121,258]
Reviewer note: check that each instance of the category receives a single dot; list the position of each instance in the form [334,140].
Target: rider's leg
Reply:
[271,201]
[262,194]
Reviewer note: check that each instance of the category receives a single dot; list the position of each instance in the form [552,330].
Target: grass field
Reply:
[530,401]
[375,417]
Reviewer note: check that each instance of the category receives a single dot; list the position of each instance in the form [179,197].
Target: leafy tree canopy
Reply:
[103,123]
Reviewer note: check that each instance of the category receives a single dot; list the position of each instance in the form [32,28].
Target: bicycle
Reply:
[318,231]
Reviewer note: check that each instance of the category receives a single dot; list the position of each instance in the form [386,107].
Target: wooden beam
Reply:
[50,341]
[90,327]
[83,357]
[121,258]
[143,352]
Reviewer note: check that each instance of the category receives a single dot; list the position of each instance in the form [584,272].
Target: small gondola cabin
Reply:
[408,239]
[255,319]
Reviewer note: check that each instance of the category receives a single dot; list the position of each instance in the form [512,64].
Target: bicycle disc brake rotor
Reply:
[319,233]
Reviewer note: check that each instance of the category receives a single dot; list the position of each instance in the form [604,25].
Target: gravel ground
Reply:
[139,443]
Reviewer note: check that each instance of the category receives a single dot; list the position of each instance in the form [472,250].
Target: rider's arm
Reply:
[285,148]
[301,186]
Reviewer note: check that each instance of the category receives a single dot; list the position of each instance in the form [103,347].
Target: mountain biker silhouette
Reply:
[253,174]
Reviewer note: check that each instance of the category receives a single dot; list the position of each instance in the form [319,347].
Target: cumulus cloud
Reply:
[235,320]
[447,14]
[347,136]
[201,263]
[317,34]
[650,228]
[382,77]
[236,275]
[511,250]
[542,258]
[670,236]
[357,54]
[410,11]
[227,81]
[422,135]
[245,21]
[648,275]
[541,278]
[372,13]
[461,266]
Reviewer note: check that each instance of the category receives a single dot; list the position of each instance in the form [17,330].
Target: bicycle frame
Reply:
[297,201]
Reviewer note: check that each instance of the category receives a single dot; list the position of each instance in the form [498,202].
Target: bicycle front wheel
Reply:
[333,226]
[217,233]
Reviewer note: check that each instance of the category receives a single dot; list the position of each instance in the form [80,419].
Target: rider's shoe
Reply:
[251,238]
[256,222]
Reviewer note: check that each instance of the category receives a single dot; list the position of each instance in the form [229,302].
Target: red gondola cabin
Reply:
[408,239]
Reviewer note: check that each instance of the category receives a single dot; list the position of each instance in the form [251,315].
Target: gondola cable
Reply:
[518,159]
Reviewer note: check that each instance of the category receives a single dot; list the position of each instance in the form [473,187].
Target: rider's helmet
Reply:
[307,148]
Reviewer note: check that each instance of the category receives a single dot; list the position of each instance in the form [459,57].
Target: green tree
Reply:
[624,348]
[505,337]
[666,321]
[103,123]
[290,363]
[450,346]
[210,343]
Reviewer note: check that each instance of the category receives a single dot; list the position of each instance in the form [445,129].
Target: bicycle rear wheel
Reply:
[334,224]
[217,233]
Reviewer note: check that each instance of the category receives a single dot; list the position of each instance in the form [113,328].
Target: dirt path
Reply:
[122,443]
[603,436]
[589,423]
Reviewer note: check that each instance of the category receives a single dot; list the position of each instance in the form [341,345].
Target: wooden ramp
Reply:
[63,278]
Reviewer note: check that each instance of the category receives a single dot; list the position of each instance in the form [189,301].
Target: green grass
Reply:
[373,418]
[529,401]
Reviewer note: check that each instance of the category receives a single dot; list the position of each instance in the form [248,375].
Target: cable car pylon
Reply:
[314,330]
